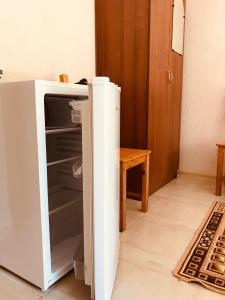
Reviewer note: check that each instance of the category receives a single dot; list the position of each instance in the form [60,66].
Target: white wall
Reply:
[203,112]
[40,39]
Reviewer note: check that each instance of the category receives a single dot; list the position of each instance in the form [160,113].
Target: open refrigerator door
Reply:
[106,144]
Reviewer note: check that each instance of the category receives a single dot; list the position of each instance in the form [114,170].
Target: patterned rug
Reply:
[204,259]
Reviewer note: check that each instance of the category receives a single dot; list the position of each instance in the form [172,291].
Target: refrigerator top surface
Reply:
[95,81]
[98,80]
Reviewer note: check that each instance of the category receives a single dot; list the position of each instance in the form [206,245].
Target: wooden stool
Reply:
[130,158]
[219,172]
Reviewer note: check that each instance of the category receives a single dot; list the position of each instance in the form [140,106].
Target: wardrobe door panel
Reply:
[160,27]
[135,73]
[108,22]
[175,98]
[175,95]
[122,40]
[134,83]
[122,55]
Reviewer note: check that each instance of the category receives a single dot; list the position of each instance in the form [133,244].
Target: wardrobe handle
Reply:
[170,75]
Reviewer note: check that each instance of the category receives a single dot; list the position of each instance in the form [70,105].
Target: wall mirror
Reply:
[178,26]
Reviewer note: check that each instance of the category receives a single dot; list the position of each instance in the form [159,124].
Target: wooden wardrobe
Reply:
[134,49]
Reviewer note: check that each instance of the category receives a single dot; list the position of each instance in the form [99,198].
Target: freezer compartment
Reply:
[63,146]
[62,111]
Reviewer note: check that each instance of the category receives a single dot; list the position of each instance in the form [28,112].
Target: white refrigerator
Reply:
[59,181]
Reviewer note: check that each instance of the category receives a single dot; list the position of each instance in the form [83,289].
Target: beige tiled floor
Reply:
[149,251]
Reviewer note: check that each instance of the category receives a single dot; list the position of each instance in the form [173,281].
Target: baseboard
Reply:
[196,174]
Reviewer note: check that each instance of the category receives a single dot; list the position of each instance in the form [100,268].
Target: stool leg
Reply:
[123,196]
[145,184]
[219,173]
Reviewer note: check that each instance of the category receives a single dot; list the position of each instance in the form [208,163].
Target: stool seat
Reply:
[130,154]
[219,171]
[130,158]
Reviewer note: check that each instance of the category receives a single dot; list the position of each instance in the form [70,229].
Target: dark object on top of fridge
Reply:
[83,81]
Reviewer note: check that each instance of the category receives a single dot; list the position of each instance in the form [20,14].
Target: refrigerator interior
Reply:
[65,179]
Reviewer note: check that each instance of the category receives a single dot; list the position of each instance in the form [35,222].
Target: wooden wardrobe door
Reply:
[134,74]
[158,91]
[122,55]
[174,108]
[134,104]
[174,120]
[122,40]
[109,39]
